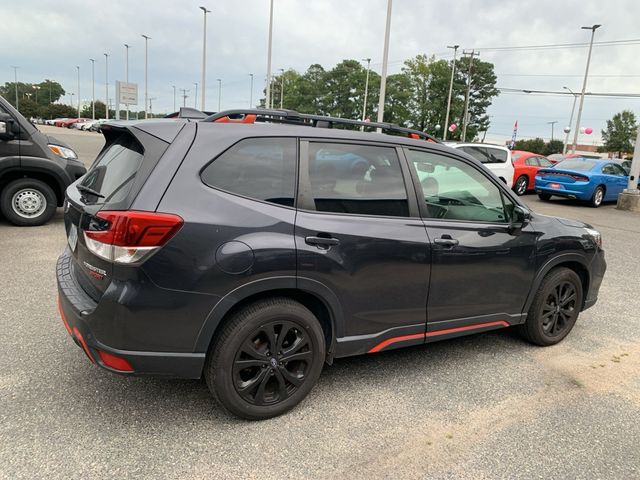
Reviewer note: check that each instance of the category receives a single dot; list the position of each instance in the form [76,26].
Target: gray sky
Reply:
[47,39]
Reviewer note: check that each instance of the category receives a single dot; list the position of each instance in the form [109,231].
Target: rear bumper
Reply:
[76,309]
[565,190]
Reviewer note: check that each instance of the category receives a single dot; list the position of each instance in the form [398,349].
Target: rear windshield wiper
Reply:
[85,189]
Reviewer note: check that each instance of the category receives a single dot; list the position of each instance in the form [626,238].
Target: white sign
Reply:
[127,93]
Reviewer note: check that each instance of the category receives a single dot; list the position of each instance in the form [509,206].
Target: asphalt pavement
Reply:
[485,406]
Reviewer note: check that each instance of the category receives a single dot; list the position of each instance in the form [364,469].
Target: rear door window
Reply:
[259,168]
[113,173]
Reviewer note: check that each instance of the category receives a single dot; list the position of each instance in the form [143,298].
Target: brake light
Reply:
[131,236]
[580,178]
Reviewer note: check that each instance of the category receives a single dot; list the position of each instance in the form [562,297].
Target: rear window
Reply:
[115,169]
[486,154]
[579,165]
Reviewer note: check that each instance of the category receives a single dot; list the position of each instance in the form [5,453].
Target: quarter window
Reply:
[454,190]
[259,168]
[357,179]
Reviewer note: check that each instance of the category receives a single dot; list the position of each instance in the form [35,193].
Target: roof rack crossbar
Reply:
[293,117]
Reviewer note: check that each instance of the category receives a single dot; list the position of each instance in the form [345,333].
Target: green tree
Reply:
[620,134]
[87,111]
[554,146]
[40,94]
[534,145]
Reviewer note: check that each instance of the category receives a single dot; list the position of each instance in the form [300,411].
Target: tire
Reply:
[28,202]
[268,384]
[544,196]
[598,197]
[549,320]
[520,187]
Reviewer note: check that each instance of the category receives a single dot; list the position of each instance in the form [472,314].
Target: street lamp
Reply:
[385,61]
[251,92]
[568,129]
[126,77]
[204,56]
[593,29]
[78,67]
[93,89]
[366,90]
[552,125]
[146,76]
[195,97]
[453,72]
[15,82]
[268,94]
[219,92]
[106,85]
[36,88]
[281,70]
[174,97]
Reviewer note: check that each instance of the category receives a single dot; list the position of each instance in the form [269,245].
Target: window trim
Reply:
[266,202]
[423,208]
[305,201]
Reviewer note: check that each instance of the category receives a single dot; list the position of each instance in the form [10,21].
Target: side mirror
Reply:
[6,127]
[520,217]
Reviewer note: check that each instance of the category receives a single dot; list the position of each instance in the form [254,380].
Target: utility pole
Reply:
[174,97]
[453,72]
[195,98]
[184,96]
[251,92]
[268,95]
[106,85]
[281,87]
[15,82]
[568,129]
[204,58]
[366,90]
[146,76]
[385,61]
[552,125]
[78,67]
[465,118]
[593,29]
[126,76]
[219,92]
[93,89]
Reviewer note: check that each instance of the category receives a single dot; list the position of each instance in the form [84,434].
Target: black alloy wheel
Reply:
[555,308]
[266,359]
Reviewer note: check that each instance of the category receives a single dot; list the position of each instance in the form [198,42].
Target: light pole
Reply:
[93,89]
[78,68]
[268,95]
[146,76]
[251,92]
[385,61]
[568,129]
[174,97]
[15,82]
[366,89]
[453,72]
[465,118]
[593,29]
[126,76]
[106,86]
[36,88]
[552,125]
[204,58]
[184,96]
[219,92]
[281,70]
[195,98]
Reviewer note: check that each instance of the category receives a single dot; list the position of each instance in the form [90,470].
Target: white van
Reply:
[495,157]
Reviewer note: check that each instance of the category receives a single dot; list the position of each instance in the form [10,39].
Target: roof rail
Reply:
[295,118]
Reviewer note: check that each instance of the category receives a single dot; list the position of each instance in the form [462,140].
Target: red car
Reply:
[70,121]
[525,165]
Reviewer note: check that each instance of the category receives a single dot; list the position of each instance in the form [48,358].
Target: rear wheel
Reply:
[555,308]
[544,196]
[520,187]
[597,198]
[28,202]
[267,359]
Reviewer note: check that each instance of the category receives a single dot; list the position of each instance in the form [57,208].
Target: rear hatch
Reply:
[106,191]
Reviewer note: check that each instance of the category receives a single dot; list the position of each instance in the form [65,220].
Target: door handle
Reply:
[446,241]
[321,242]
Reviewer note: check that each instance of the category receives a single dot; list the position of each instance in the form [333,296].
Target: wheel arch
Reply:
[50,179]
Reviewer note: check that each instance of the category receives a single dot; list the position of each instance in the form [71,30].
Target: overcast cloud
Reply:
[47,39]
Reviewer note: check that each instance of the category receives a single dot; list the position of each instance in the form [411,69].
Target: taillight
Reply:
[580,178]
[131,236]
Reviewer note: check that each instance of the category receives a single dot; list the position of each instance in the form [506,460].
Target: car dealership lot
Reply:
[484,406]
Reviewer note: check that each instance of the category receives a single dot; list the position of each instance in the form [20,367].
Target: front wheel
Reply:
[555,308]
[266,359]
[28,202]
[520,187]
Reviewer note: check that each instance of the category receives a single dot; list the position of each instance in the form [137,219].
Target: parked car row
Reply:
[85,124]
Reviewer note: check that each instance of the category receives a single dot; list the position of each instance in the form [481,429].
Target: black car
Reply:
[244,253]
[35,170]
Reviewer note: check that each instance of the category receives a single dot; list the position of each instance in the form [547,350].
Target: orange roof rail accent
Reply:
[248,118]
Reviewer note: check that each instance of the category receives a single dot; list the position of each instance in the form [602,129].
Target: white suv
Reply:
[495,157]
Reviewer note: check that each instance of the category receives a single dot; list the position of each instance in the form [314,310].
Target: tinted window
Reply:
[486,154]
[613,169]
[260,168]
[453,190]
[533,161]
[113,172]
[544,162]
[572,164]
[357,179]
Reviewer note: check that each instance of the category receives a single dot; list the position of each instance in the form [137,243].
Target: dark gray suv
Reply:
[254,250]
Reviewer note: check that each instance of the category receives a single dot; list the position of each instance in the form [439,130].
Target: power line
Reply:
[563,75]
[551,46]
[551,92]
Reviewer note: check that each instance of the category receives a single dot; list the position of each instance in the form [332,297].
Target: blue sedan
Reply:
[586,179]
